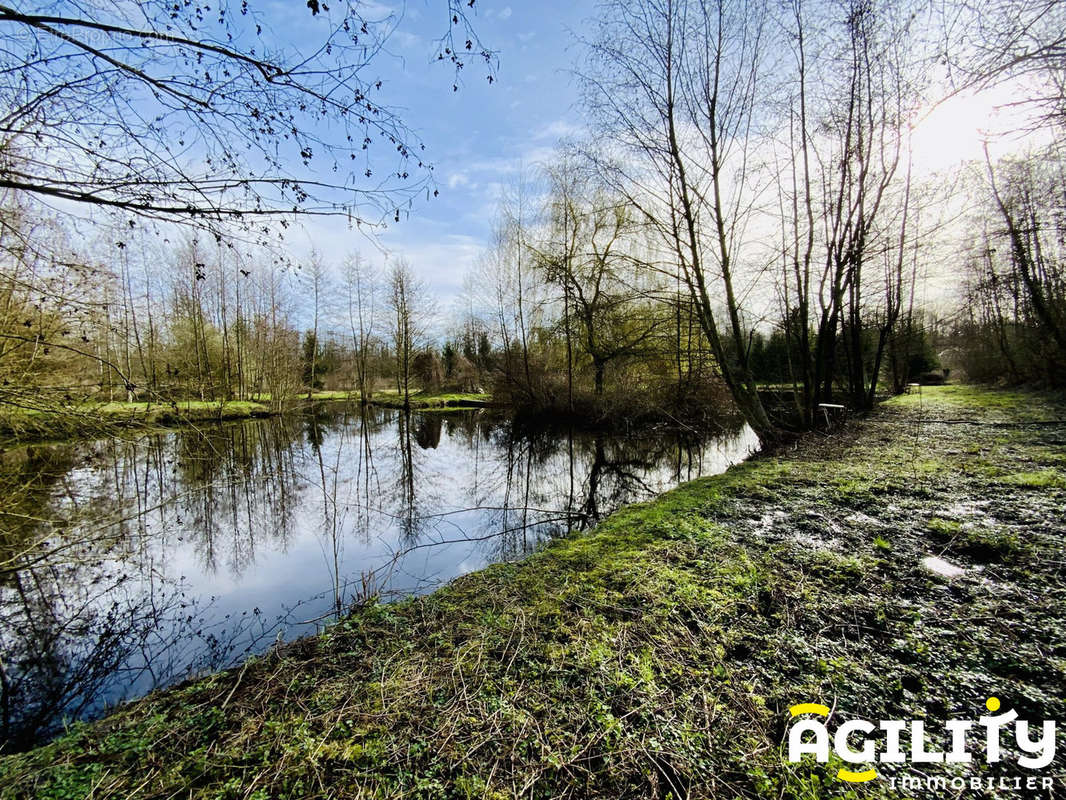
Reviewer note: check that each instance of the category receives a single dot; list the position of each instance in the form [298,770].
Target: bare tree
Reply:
[869,144]
[411,310]
[986,43]
[594,264]
[564,231]
[510,287]
[673,85]
[317,280]
[1022,265]
[361,295]
[512,236]
[181,111]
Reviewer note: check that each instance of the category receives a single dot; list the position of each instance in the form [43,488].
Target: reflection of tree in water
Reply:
[72,631]
[28,477]
[407,515]
[557,480]
[364,500]
[324,425]
[428,428]
[424,516]
[234,485]
[352,500]
[92,608]
[59,647]
[316,430]
[84,604]
[618,468]
[56,633]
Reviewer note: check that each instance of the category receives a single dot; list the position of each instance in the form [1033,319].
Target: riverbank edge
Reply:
[657,652]
[113,417]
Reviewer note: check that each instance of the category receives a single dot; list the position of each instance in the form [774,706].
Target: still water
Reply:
[128,564]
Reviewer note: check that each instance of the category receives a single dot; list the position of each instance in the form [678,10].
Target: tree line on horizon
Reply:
[745,212]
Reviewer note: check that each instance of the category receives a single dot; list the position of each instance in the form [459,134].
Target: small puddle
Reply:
[941,567]
[969,508]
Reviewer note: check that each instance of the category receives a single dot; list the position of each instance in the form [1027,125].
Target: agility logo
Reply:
[864,744]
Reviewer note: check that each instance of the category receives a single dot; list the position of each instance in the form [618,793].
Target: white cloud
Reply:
[441,259]
[558,129]
[436,254]
[506,13]
[457,179]
[406,39]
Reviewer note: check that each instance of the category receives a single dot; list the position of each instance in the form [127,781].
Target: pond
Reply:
[131,563]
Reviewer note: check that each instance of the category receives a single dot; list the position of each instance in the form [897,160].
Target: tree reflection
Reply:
[127,565]
[78,638]
[409,519]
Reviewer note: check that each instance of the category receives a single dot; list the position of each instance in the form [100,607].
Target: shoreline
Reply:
[109,418]
[659,651]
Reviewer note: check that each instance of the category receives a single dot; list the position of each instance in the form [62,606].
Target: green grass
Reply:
[1040,479]
[428,400]
[339,394]
[197,409]
[992,543]
[654,656]
[391,398]
[947,527]
[970,401]
[101,419]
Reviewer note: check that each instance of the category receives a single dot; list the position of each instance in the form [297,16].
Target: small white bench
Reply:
[836,408]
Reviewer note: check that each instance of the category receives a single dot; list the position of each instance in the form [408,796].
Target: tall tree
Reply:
[361,295]
[316,279]
[594,263]
[411,309]
[674,85]
[853,211]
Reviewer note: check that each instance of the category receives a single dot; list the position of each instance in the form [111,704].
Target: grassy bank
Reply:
[429,400]
[658,654]
[390,398]
[101,419]
[89,419]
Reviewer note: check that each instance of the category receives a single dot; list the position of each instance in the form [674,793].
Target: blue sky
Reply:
[478,138]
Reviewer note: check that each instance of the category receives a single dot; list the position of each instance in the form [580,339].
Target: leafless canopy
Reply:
[181,110]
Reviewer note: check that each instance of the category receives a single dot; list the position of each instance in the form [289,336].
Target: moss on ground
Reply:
[982,403]
[656,655]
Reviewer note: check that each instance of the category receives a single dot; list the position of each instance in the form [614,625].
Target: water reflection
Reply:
[127,565]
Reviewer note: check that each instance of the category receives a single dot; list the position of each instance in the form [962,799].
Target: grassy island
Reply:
[89,419]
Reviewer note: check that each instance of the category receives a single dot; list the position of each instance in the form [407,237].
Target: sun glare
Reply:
[958,129]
